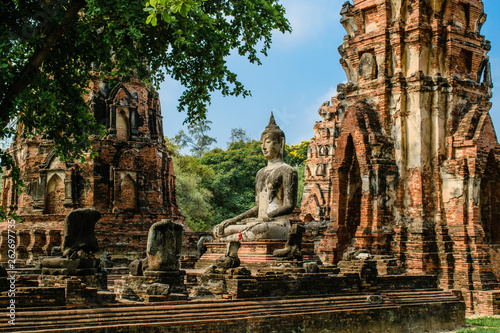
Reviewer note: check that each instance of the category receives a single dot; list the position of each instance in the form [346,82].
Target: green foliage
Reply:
[50,51]
[233,185]
[479,330]
[296,155]
[193,196]
[165,8]
[238,134]
[174,148]
[484,325]
[205,33]
[198,138]
[484,321]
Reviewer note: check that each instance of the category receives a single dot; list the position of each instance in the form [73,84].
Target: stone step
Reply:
[184,313]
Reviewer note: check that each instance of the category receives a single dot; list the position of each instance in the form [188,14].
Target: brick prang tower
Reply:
[131,182]
[405,161]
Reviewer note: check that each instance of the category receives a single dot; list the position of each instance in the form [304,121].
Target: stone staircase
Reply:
[395,311]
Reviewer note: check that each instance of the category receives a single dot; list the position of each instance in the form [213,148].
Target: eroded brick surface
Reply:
[131,182]
[405,159]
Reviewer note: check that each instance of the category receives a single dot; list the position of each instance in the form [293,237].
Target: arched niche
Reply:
[351,195]
[128,193]
[490,200]
[6,193]
[50,167]
[122,109]
[122,124]
[54,195]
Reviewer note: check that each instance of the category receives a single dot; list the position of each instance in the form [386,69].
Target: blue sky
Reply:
[301,72]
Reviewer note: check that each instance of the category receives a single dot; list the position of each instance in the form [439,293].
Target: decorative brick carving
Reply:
[131,182]
[415,164]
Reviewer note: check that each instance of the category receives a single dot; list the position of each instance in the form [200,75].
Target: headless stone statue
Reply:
[78,234]
[230,260]
[164,246]
[78,246]
[293,246]
[276,195]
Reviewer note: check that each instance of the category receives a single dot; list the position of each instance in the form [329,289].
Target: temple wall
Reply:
[416,107]
[131,181]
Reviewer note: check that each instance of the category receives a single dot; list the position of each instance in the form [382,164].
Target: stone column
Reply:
[68,188]
[112,121]
[53,238]
[23,242]
[39,199]
[133,124]
[4,245]
[37,242]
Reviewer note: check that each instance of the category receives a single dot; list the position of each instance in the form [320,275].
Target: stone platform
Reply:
[152,287]
[253,255]
[81,290]
[389,312]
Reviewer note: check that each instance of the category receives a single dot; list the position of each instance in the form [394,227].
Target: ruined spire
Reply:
[272,124]
[273,129]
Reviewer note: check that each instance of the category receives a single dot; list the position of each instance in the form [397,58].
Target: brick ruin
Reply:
[404,165]
[131,182]
[405,160]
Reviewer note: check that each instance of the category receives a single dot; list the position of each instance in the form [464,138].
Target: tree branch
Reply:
[32,67]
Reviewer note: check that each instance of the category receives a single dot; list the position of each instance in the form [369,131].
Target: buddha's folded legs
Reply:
[255,231]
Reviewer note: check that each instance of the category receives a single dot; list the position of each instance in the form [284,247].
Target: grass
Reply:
[483,325]
[480,330]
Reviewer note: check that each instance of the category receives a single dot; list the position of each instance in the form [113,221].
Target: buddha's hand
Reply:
[219,228]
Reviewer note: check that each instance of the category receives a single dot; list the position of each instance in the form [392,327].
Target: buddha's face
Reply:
[270,147]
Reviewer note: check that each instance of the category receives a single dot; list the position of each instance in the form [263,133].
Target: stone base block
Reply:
[215,281]
[154,286]
[76,267]
[67,271]
[253,255]
[98,280]
[78,289]
[388,266]
[484,302]
[27,297]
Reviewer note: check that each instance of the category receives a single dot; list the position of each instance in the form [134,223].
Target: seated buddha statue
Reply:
[275,197]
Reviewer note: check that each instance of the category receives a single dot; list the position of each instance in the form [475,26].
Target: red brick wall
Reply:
[131,181]
[427,151]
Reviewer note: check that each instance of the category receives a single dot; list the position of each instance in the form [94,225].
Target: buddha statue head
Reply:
[272,140]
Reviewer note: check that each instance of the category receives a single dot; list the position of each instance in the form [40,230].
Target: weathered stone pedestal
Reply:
[157,277]
[220,283]
[71,267]
[154,286]
[77,270]
[253,255]
[78,289]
